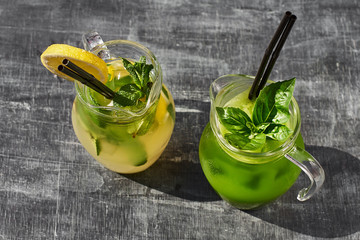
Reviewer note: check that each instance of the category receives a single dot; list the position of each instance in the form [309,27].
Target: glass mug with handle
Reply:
[123,139]
[249,179]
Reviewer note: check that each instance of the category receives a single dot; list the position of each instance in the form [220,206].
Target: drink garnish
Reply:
[270,113]
[73,63]
[140,86]
[53,56]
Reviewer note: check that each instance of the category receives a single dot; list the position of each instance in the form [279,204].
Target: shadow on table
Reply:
[182,179]
[334,211]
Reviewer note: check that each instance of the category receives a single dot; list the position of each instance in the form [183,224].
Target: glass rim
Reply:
[261,157]
[122,113]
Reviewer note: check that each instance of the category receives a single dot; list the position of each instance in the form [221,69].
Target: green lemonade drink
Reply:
[251,177]
[125,139]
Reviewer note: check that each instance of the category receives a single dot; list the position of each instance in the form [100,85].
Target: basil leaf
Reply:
[249,142]
[272,105]
[270,111]
[278,132]
[234,119]
[257,129]
[262,127]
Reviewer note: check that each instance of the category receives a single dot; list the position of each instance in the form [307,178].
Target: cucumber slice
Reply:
[137,153]
[128,146]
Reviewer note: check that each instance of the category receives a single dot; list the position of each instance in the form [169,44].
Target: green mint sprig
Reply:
[270,113]
[139,89]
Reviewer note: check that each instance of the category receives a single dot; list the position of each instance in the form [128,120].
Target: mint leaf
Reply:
[146,123]
[246,142]
[122,101]
[96,142]
[234,119]
[97,146]
[165,92]
[145,74]
[278,132]
[272,105]
[142,59]
[131,92]
[138,87]
[132,71]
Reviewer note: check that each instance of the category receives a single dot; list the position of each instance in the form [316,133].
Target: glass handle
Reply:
[92,41]
[311,167]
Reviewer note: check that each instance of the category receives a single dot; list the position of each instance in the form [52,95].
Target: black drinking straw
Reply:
[89,80]
[85,78]
[278,40]
[100,87]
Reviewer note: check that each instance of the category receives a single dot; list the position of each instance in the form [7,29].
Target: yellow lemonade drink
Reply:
[123,114]
[124,139]
[124,147]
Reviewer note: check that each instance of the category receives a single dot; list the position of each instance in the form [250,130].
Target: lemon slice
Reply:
[161,110]
[53,56]
[117,70]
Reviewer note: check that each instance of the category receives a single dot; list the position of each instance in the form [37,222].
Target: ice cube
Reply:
[92,42]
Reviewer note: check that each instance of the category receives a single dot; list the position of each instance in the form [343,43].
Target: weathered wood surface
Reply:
[50,187]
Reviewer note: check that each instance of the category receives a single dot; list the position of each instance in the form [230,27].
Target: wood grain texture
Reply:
[51,188]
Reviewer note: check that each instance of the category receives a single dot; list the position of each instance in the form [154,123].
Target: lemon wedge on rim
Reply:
[53,56]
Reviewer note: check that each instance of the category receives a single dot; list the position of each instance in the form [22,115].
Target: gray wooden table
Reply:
[51,188]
